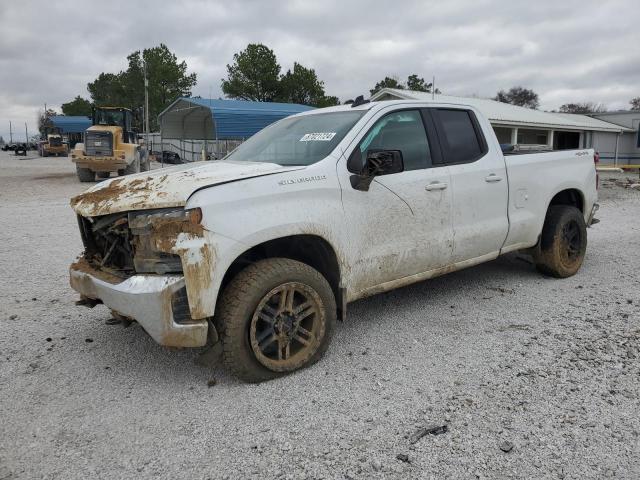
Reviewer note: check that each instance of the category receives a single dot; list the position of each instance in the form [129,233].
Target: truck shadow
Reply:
[497,277]
[132,350]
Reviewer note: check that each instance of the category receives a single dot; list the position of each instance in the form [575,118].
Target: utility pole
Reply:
[146,104]
[10,133]
[44,120]
[26,133]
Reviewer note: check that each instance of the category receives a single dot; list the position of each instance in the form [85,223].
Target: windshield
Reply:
[297,140]
[109,117]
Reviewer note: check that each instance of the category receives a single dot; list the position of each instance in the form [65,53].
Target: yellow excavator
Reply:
[110,145]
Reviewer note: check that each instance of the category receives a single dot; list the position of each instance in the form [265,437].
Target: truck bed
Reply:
[534,178]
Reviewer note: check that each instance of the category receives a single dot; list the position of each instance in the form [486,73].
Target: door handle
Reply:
[492,178]
[435,186]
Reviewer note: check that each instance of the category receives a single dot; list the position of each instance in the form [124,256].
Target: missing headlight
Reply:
[151,230]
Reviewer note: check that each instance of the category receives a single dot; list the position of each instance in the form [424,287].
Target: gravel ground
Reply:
[505,358]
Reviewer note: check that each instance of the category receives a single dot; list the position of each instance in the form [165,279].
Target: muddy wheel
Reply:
[45,153]
[276,316]
[103,174]
[120,172]
[133,167]
[85,174]
[563,243]
[145,165]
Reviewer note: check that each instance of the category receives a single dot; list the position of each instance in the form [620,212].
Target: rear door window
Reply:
[460,136]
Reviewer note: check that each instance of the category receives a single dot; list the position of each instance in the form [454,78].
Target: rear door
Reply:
[479,184]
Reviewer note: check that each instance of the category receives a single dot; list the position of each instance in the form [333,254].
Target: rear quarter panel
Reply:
[534,179]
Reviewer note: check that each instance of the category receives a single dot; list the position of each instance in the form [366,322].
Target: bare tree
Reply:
[585,107]
[635,103]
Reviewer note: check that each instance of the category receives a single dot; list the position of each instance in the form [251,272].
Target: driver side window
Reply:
[404,131]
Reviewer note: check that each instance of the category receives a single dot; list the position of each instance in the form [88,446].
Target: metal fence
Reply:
[192,150]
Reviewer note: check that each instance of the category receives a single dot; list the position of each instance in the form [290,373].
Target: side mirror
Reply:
[378,162]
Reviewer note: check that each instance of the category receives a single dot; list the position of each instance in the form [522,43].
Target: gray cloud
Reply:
[566,51]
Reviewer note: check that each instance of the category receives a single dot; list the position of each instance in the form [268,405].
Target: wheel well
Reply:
[310,249]
[570,197]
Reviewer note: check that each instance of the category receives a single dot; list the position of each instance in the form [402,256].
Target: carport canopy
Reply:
[209,119]
[69,124]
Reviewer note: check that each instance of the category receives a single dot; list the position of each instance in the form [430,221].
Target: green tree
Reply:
[388,82]
[418,84]
[167,78]
[328,101]
[302,86]
[108,90]
[520,96]
[635,103]
[254,75]
[415,83]
[77,106]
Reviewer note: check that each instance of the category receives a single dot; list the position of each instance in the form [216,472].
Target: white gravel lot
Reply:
[497,353]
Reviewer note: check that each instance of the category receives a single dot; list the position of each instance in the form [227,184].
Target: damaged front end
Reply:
[153,266]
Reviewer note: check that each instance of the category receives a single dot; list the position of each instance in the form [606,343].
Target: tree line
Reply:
[525,97]
[254,74]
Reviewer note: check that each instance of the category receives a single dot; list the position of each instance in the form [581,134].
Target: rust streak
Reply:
[82,265]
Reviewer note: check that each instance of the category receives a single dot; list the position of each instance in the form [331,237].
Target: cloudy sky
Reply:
[566,50]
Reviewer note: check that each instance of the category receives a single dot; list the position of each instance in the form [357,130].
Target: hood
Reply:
[165,187]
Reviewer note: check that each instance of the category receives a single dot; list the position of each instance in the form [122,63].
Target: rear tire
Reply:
[85,174]
[264,320]
[563,242]
[103,175]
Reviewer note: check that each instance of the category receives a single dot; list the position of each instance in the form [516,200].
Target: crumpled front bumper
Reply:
[146,299]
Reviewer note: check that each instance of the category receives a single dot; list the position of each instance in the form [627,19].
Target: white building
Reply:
[528,128]
[627,149]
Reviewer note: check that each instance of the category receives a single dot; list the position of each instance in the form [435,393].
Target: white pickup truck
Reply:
[263,250]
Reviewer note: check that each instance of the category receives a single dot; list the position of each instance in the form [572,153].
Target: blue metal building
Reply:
[208,119]
[65,124]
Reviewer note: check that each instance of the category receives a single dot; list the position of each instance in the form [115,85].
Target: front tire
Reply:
[133,167]
[85,174]
[563,242]
[276,316]
[145,163]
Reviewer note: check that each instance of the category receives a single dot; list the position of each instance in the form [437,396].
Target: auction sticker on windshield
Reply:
[318,137]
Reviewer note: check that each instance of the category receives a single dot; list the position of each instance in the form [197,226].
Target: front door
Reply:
[401,226]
